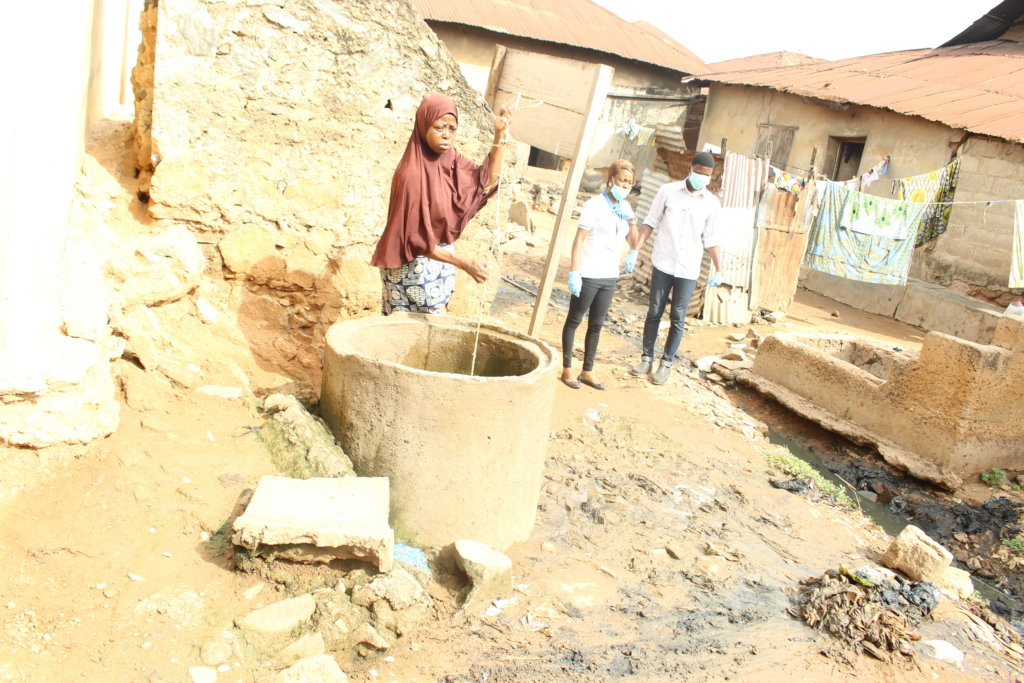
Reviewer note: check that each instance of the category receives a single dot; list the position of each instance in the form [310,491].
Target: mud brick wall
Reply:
[976,246]
[276,127]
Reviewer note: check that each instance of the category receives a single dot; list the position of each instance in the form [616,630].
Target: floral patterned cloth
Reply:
[789,182]
[938,186]
[857,236]
[420,286]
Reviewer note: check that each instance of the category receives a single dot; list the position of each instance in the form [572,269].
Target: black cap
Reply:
[703,159]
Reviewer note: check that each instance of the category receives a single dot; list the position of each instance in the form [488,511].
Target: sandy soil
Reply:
[661,552]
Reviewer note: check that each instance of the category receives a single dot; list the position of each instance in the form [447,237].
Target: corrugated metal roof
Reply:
[991,25]
[568,22]
[977,87]
[765,61]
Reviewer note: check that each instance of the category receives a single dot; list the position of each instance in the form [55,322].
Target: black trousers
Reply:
[594,301]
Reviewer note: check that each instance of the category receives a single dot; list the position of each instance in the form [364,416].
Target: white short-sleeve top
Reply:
[603,250]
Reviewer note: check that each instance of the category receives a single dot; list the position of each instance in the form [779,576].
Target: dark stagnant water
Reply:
[1001,601]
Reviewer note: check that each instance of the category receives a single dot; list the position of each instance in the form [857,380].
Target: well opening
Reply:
[446,349]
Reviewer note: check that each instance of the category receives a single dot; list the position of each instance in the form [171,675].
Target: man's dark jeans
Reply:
[682,290]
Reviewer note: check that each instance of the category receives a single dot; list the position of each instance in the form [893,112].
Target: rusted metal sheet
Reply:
[977,87]
[781,242]
[579,23]
[767,60]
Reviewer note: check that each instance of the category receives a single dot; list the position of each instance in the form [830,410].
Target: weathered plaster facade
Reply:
[650,94]
[975,249]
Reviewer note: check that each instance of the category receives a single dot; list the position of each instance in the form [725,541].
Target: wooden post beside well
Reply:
[598,92]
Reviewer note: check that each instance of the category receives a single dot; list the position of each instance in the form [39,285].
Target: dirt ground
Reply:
[661,552]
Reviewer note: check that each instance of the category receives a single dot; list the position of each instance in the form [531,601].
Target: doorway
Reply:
[842,157]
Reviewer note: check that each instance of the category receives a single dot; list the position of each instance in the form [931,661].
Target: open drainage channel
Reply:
[894,503]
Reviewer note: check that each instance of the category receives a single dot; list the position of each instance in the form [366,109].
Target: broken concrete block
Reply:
[316,669]
[489,571]
[917,555]
[308,645]
[519,212]
[364,633]
[294,435]
[399,588]
[280,617]
[955,582]
[319,520]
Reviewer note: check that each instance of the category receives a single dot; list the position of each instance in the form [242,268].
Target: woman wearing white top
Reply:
[605,221]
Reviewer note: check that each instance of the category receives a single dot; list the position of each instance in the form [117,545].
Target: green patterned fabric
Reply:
[875,247]
[936,189]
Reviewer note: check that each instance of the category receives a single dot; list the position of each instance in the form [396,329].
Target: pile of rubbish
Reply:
[870,609]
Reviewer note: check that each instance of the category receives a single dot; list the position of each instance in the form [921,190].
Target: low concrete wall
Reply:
[866,296]
[922,304]
[957,407]
[465,454]
[938,309]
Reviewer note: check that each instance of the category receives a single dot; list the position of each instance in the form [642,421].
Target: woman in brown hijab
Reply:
[435,191]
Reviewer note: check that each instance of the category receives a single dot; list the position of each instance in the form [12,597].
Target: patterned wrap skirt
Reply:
[420,286]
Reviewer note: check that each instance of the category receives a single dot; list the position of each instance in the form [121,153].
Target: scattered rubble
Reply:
[489,571]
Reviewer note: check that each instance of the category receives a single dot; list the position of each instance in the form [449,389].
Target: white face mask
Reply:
[698,181]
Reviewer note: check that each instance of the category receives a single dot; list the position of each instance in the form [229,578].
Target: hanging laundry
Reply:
[645,136]
[937,189]
[630,129]
[1017,258]
[879,216]
[862,237]
[813,203]
[789,182]
[872,174]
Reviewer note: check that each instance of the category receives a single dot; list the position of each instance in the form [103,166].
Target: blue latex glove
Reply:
[575,282]
[715,280]
[631,260]
[624,212]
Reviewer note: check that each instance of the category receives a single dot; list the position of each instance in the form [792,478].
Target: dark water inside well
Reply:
[1002,602]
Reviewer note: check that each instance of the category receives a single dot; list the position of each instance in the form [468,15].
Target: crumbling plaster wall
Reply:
[276,127]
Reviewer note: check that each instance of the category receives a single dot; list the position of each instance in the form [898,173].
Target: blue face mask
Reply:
[619,193]
[698,181]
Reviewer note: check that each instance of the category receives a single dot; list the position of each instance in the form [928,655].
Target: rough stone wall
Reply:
[276,128]
[976,247]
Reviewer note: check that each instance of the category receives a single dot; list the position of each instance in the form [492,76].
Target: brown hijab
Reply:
[433,195]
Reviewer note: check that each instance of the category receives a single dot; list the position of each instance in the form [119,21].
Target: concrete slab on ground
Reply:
[866,296]
[318,520]
[931,307]
[938,309]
